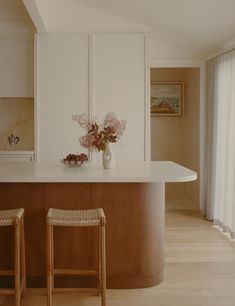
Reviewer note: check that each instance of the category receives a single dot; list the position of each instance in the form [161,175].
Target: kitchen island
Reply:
[133,198]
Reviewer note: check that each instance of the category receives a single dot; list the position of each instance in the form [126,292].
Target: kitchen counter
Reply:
[15,152]
[133,198]
[157,171]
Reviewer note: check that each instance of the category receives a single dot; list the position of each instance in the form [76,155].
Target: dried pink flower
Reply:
[82,120]
[110,130]
[86,141]
[118,126]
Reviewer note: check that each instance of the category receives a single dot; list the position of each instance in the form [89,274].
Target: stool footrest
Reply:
[7,272]
[77,290]
[76,272]
[7,291]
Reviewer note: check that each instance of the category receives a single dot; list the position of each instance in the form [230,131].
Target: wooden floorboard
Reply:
[200,271]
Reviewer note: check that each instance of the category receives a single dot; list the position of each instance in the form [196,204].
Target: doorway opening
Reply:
[176,138]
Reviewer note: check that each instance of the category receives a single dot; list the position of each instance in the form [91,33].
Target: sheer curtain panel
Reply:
[219,198]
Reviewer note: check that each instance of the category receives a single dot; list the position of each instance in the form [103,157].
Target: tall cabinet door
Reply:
[119,86]
[62,89]
[98,74]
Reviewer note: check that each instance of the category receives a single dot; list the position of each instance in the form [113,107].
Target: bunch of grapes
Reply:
[75,158]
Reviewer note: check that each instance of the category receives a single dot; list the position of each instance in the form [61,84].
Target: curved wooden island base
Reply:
[134,231]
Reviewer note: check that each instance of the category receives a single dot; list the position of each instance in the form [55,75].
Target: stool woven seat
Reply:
[89,217]
[7,217]
[77,218]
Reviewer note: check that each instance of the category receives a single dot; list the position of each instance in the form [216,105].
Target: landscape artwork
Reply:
[167,99]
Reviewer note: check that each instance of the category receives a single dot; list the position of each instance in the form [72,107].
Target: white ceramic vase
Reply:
[109,161]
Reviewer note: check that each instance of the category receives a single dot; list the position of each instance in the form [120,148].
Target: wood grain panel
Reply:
[134,231]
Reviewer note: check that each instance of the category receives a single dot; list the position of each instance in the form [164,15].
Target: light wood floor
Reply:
[200,271]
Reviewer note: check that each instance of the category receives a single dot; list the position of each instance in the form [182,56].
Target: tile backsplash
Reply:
[17,117]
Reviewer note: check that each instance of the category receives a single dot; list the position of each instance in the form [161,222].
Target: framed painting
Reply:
[167,99]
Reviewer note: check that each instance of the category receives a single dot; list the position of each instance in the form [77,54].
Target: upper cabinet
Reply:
[16,78]
[62,89]
[119,86]
[16,51]
[16,68]
[96,74]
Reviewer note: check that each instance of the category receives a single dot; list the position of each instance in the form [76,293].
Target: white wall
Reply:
[164,55]
[77,73]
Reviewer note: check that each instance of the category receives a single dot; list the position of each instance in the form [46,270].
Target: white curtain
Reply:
[220,142]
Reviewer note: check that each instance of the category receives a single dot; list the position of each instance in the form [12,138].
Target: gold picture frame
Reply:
[167,99]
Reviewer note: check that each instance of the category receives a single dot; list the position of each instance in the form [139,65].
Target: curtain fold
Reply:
[220,142]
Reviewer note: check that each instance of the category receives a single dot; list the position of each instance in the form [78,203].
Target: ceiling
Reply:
[202,25]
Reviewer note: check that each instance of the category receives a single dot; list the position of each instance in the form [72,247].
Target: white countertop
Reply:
[15,152]
[126,172]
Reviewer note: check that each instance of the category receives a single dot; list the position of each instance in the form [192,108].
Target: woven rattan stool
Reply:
[92,217]
[15,217]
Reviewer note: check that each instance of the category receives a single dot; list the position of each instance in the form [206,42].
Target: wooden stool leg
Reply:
[99,254]
[99,258]
[49,264]
[103,266]
[52,258]
[22,257]
[17,263]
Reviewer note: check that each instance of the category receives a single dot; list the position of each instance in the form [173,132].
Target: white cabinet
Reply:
[16,156]
[96,74]
[62,90]
[119,87]
[17,67]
